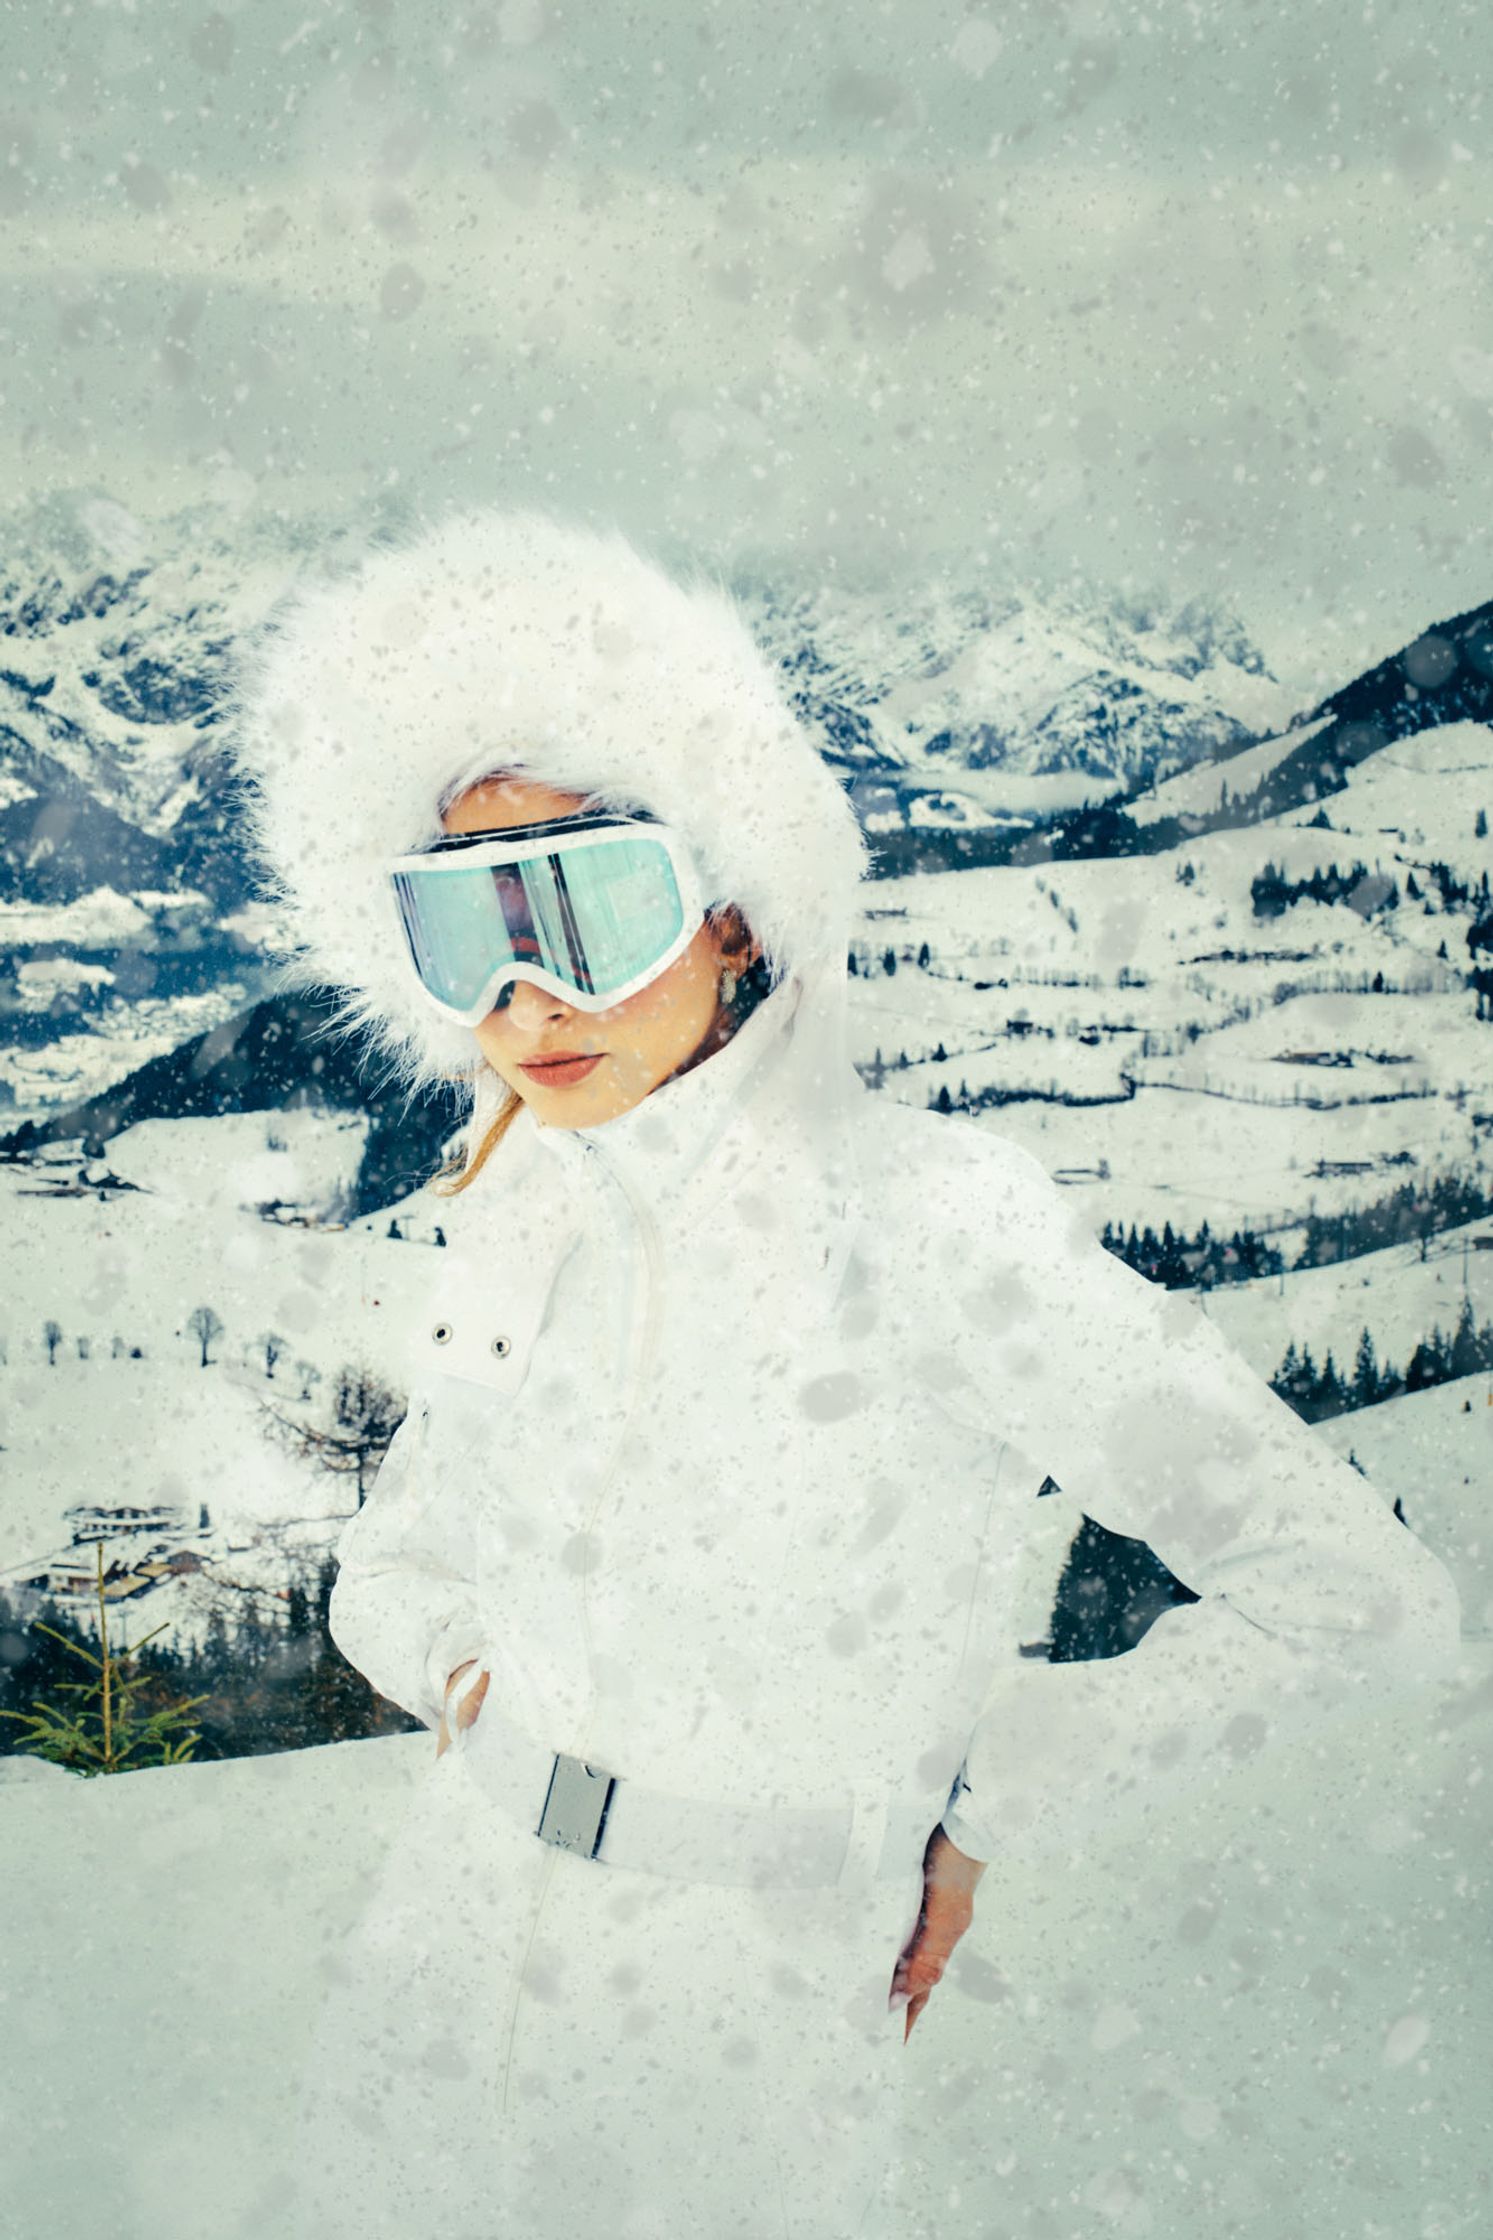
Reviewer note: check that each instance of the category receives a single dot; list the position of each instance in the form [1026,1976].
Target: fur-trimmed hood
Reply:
[377,689]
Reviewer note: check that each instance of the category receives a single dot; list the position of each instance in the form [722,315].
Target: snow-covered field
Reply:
[1229,1053]
[88,1421]
[1272,2021]
[1436,1449]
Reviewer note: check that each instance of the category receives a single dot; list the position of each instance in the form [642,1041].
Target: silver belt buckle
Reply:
[575,1806]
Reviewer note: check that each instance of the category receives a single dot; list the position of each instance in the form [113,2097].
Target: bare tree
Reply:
[273,1346]
[205,1326]
[366,1413]
[52,1339]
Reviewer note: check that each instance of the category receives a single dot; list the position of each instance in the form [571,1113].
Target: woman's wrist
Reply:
[949,1865]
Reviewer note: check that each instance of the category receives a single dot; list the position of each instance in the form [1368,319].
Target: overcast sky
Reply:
[1185,297]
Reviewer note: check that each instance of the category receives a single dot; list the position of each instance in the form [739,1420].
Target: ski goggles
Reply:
[589,908]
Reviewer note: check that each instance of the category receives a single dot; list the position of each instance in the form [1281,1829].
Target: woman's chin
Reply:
[579,1104]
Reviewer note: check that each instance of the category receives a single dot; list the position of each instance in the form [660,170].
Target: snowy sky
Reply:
[1190,295]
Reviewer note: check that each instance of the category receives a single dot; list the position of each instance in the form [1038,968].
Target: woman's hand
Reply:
[466,1710]
[949,1879]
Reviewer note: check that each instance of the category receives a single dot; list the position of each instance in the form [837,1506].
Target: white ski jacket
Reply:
[727,1422]
[726,1426]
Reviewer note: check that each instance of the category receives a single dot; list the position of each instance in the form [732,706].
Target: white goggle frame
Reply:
[562,837]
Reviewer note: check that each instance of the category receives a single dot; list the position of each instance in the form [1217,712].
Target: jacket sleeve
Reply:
[1318,1605]
[403,1609]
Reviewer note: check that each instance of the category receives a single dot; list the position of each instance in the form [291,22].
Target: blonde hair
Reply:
[484,1132]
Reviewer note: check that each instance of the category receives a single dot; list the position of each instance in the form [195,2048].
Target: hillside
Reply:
[120,1411]
[1182,1055]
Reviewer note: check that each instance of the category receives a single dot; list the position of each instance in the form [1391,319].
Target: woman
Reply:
[729,1406]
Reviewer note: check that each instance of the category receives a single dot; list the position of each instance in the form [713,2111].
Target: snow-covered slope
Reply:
[1207,786]
[1396,1293]
[1271,2021]
[1436,1449]
[1196,1058]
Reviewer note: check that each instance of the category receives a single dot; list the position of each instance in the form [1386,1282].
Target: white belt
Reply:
[584,1808]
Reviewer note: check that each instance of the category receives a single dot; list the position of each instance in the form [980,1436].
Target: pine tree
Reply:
[1331,1395]
[1365,1372]
[1465,1351]
[105,1726]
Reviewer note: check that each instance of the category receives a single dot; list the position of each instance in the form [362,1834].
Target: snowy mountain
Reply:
[1441,679]
[1007,707]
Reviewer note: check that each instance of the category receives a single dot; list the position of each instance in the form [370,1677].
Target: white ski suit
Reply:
[721,1464]
[733,1512]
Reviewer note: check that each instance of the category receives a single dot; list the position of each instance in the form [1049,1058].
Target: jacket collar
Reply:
[764,1124]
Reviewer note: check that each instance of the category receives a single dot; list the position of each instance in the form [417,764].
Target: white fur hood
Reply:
[509,639]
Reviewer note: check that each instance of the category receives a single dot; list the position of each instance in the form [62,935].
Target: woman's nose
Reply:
[531,1007]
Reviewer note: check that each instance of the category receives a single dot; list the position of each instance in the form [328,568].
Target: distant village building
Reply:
[91,1520]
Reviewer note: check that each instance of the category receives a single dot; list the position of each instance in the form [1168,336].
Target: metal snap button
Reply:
[441,1333]
[501,1347]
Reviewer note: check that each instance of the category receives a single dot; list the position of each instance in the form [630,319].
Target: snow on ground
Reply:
[87,1422]
[1436,1450]
[1235,1052]
[242,1160]
[1268,2018]
[1399,1296]
[1423,792]
[1198,792]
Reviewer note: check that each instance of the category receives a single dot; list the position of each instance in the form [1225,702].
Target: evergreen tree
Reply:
[1365,1372]
[1331,1395]
[1428,1364]
[1465,1351]
[297,1611]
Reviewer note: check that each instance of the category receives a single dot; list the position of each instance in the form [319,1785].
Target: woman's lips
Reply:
[554,1073]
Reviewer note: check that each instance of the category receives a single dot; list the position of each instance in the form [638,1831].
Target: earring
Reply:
[728,985]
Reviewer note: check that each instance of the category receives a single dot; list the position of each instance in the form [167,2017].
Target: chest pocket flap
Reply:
[479,1318]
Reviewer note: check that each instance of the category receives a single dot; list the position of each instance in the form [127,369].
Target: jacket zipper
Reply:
[639,1371]
[640,1366]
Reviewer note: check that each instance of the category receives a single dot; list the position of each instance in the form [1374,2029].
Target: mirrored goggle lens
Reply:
[595,917]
